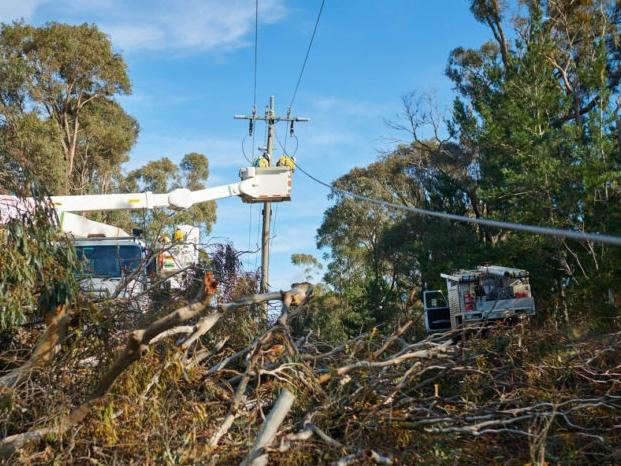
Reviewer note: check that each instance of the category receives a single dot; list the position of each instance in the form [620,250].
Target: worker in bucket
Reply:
[286,161]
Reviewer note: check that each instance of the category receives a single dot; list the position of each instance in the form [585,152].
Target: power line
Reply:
[310,44]
[284,147]
[243,144]
[256,55]
[535,229]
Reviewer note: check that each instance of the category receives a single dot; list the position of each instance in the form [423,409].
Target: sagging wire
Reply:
[293,136]
[243,143]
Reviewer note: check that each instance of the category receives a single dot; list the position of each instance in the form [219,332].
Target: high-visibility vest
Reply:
[286,161]
[179,235]
[261,162]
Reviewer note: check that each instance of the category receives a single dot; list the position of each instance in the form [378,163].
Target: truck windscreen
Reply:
[109,260]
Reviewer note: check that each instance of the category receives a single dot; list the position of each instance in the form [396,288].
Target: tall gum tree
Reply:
[61,72]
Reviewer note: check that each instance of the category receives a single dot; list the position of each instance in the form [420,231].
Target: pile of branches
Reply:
[204,384]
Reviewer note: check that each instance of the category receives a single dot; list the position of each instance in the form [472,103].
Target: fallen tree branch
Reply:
[421,354]
[363,455]
[256,455]
[173,331]
[400,331]
[47,347]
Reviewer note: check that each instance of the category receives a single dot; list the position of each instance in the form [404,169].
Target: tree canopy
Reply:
[163,175]
[61,120]
[532,138]
[58,84]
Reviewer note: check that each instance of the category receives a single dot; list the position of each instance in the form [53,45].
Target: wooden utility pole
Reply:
[267,206]
[270,119]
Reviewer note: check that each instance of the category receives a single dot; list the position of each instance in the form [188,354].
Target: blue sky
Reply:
[191,61]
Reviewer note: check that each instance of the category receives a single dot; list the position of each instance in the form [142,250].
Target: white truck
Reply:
[487,293]
[112,255]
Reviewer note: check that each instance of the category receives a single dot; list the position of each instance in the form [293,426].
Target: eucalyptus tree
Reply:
[58,82]
[163,175]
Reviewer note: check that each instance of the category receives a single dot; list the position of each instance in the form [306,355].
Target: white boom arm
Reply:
[257,185]
[272,184]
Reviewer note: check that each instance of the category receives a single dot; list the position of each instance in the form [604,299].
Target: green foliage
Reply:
[532,139]
[164,175]
[57,86]
[107,136]
[37,264]
[156,176]
[330,317]
[544,130]
[309,263]
[27,140]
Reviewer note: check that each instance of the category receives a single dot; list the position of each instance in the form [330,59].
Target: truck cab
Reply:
[107,262]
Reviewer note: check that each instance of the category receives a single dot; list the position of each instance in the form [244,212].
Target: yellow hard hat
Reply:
[179,235]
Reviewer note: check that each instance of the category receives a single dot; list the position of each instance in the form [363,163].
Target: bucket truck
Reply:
[112,255]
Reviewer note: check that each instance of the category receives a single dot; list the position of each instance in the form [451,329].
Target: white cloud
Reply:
[11,10]
[134,36]
[182,25]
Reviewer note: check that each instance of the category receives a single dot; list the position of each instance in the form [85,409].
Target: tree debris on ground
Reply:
[207,383]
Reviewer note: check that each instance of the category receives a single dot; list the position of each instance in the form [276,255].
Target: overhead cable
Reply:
[535,229]
[254,90]
[256,48]
[310,44]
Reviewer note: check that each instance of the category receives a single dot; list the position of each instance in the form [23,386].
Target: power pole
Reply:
[270,119]
[267,206]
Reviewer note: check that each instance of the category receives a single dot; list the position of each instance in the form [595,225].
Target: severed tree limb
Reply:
[240,392]
[226,361]
[308,430]
[297,296]
[48,345]
[400,331]
[334,350]
[363,455]
[256,455]
[420,354]
[173,331]
[294,297]
[200,356]
[202,327]
[183,314]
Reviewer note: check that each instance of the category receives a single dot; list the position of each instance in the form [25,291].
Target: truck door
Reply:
[436,311]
